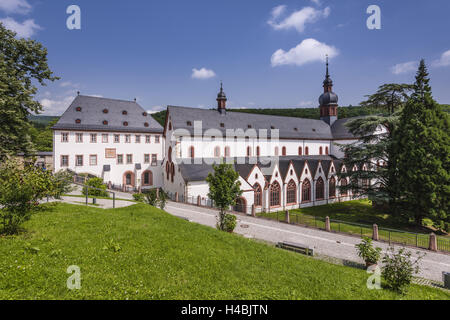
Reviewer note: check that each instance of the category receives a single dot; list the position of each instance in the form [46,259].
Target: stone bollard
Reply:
[253,211]
[375,233]
[176,197]
[433,242]
[199,201]
[287,217]
[327,224]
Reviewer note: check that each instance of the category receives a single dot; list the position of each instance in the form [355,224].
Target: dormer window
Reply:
[314,130]
[78,121]
[272,127]
[295,129]
[144,114]
[124,112]
[189,123]
[78,109]
[105,123]
[146,124]
[125,124]
[222,125]
[105,111]
[249,126]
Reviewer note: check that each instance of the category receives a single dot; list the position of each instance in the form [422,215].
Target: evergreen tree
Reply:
[23,64]
[390,96]
[421,156]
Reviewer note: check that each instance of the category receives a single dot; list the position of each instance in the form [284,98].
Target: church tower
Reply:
[221,101]
[328,101]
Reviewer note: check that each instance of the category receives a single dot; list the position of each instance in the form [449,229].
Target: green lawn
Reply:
[164,257]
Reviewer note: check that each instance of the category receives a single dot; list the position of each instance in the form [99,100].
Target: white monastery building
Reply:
[283,162]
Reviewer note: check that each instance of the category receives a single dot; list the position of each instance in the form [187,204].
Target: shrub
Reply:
[21,188]
[150,197]
[96,183]
[62,182]
[229,223]
[139,197]
[398,269]
[367,252]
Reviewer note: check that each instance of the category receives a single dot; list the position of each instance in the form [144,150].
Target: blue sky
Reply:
[268,53]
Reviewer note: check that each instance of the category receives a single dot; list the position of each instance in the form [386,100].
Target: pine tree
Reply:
[421,157]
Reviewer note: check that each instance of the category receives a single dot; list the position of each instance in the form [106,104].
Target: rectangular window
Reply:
[146,158]
[79,161]
[105,138]
[93,160]
[64,161]
[120,159]
[148,139]
[64,137]
[127,138]
[154,159]
[79,137]
[116,138]
[129,158]
[138,139]
[156,139]
[93,138]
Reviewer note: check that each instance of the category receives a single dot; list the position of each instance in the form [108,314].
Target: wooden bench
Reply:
[296,247]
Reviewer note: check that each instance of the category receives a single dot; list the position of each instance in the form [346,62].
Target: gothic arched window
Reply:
[306,191]
[320,189]
[275,192]
[291,192]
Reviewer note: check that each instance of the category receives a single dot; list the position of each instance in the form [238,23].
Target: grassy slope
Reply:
[163,257]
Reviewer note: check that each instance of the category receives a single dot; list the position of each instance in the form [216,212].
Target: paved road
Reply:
[325,243]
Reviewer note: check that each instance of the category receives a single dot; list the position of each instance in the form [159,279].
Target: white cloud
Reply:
[444,61]
[305,104]
[404,67]
[155,109]
[56,106]
[15,6]
[69,84]
[202,73]
[23,30]
[298,19]
[316,2]
[309,50]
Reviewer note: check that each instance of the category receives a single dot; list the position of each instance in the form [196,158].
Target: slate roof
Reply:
[289,127]
[340,130]
[199,172]
[92,116]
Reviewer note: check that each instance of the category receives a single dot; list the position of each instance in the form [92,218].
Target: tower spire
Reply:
[221,100]
[327,83]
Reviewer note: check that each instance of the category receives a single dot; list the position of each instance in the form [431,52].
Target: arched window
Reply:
[283,151]
[275,194]
[167,170]
[276,151]
[258,194]
[258,151]
[306,191]
[343,184]
[332,188]
[227,151]
[128,178]
[320,150]
[249,151]
[191,152]
[217,152]
[320,189]
[306,151]
[172,171]
[300,151]
[326,151]
[170,154]
[147,178]
[291,196]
